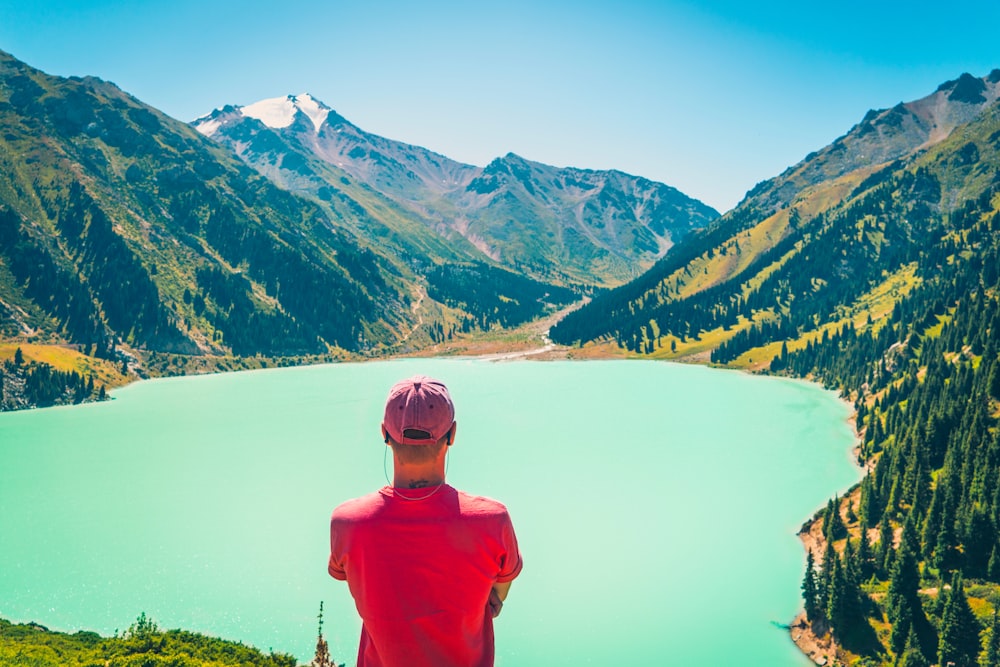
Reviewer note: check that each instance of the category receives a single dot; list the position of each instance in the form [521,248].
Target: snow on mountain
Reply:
[316,110]
[207,126]
[279,112]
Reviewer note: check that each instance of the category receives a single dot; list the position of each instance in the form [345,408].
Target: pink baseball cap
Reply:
[418,411]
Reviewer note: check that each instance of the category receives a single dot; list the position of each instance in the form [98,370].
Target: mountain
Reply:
[120,225]
[571,226]
[293,142]
[884,135]
[125,234]
[819,239]
[574,221]
[881,280]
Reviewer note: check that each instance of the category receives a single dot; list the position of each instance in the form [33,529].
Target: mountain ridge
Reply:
[498,209]
[884,135]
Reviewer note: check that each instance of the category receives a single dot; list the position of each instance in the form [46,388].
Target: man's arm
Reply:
[497,595]
[509,563]
[501,589]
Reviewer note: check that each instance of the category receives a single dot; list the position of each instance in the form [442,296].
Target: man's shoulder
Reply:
[472,504]
[361,507]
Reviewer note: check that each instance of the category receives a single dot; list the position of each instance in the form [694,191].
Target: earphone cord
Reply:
[385,471]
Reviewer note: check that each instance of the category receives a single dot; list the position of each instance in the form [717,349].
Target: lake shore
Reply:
[818,644]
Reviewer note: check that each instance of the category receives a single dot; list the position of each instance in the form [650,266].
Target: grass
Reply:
[66,359]
[935,331]
[759,358]
[695,349]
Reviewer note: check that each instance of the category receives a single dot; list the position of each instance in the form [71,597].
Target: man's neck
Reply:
[416,483]
[418,476]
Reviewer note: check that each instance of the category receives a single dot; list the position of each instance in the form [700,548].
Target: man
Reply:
[428,566]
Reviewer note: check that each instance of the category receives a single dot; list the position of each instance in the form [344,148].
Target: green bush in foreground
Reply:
[142,645]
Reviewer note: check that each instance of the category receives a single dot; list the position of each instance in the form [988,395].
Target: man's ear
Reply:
[385,435]
[451,433]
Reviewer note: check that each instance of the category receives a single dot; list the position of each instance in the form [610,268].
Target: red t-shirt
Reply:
[421,572]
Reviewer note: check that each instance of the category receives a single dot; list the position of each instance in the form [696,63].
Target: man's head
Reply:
[419,412]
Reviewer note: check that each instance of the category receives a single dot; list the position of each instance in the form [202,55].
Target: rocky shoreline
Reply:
[817,643]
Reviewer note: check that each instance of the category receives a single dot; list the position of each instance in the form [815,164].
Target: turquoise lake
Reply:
[656,504]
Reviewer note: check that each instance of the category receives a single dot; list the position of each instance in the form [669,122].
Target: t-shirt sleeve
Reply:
[335,566]
[510,558]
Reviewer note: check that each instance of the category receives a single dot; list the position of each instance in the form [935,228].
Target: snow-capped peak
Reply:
[310,106]
[278,112]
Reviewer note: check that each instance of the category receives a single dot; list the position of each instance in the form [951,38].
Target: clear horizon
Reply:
[707,97]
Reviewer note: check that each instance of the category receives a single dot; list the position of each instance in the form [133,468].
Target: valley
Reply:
[279,233]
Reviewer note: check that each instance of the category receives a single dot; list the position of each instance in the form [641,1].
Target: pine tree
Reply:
[992,656]
[902,601]
[901,618]
[883,556]
[845,609]
[824,581]
[827,517]
[912,655]
[836,597]
[993,569]
[945,555]
[852,583]
[833,523]
[978,540]
[958,641]
[809,594]
[865,560]
[911,535]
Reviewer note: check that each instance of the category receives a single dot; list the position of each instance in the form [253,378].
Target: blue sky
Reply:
[709,97]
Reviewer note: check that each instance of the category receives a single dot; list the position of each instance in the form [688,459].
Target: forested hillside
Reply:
[798,251]
[119,225]
[926,387]
[493,296]
[25,383]
[882,281]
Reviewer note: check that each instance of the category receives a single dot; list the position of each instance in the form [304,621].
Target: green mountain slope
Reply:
[118,223]
[883,135]
[924,383]
[792,270]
